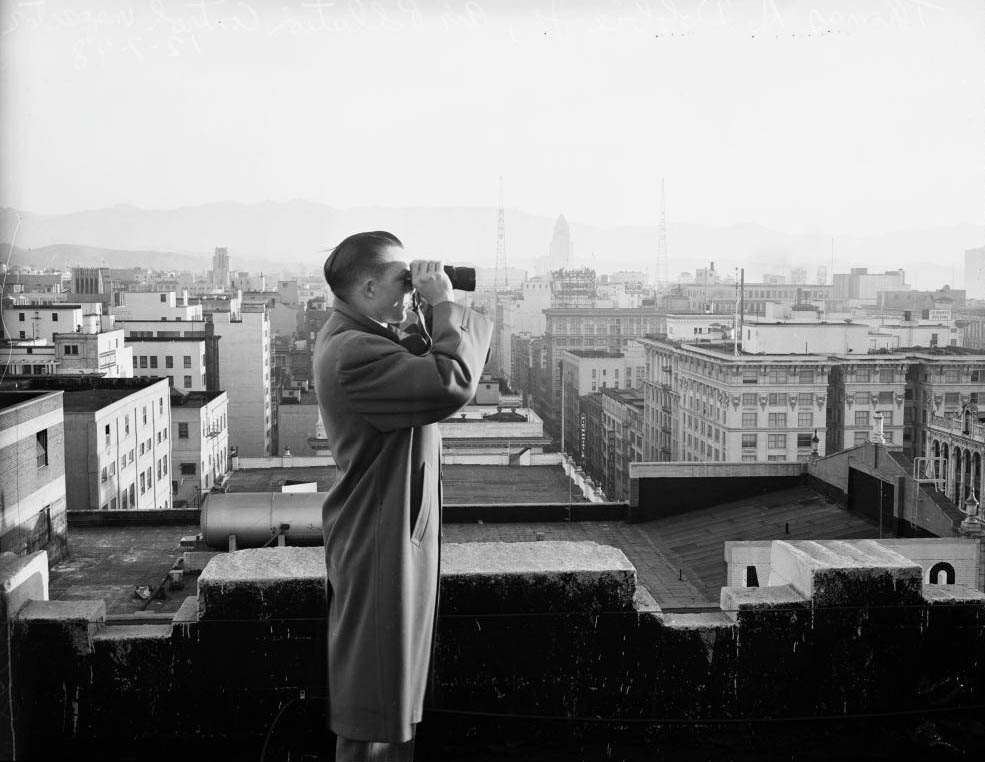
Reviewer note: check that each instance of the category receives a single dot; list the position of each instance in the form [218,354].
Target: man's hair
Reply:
[358,256]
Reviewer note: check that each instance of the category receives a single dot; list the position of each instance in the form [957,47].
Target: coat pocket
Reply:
[423,496]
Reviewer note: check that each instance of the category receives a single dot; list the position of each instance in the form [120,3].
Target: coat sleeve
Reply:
[395,389]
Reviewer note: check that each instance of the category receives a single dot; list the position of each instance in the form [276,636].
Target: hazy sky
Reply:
[847,116]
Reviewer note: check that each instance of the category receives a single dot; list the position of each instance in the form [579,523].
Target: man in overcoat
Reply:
[381,404]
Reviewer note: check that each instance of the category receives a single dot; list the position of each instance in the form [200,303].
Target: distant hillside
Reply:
[65,255]
[293,235]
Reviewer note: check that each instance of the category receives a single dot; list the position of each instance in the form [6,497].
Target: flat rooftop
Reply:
[679,559]
[10,399]
[461,484]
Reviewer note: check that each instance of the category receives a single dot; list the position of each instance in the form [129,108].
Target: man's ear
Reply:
[368,288]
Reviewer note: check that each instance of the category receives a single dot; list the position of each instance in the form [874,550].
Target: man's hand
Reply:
[431,282]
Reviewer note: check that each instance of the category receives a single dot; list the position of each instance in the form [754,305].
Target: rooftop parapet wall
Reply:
[666,489]
[553,630]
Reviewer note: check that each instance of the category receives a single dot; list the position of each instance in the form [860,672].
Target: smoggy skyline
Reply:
[842,117]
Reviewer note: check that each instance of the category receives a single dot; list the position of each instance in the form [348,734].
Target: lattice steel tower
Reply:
[502,277]
[662,276]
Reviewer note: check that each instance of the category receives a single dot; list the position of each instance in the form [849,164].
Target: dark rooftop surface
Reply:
[107,563]
[461,484]
[93,399]
[9,399]
[678,559]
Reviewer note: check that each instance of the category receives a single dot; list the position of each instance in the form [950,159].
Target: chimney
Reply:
[878,436]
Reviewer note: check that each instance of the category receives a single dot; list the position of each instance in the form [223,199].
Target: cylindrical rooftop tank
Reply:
[254,516]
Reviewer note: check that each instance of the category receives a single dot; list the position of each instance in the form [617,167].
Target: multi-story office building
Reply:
[861,388]
[859,287]
[220,267]
[94,351]
[972,324]
[164,306]
[179,359]
[297,421]
[720,298]
[199,444]
[245,375]
[974,272]
[42,321]
[586,371]
[622,439]
[117,440]
[589,328]
[945,384]
[32,463]
[708,403]
[956,444]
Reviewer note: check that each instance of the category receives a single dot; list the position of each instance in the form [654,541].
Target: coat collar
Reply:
[345,317]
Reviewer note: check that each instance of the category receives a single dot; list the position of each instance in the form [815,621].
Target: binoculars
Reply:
[462,278]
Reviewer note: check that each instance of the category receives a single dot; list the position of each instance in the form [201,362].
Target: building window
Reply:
[861,417]
[188,382]
[188,469]
[748,440]
[862,375]
[141,448]
[20,317]
[951,398]
[143,361]
[776,458]
[952,376]
[804,440]
[182,431]
[805,399]
[153,361]
[776,441]
[126,424]
[860,437]
[777,376]
[103,474]
[106,433]
[164,297]
[750,377]
[777,398]
[863,398]
[885,375]
[41,447]
[887,417]
[144,414]
[168,361]
[750,420]
[143,482]
[749,399]
[778,420]
[54,317]
[164,460]
[805,419]
[188,361]
[748,457]
[71,349]
[806,375]
[885,398]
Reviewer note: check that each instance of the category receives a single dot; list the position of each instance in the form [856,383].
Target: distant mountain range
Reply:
[292,236]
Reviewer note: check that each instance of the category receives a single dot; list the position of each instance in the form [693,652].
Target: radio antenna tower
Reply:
[502,278]
[662,277]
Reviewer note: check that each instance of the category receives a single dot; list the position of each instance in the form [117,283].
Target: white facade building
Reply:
[117,444]
[181,360]
[199,444]
[244,374]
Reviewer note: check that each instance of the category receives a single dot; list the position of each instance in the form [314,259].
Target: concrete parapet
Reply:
[841,573]
[535,576]
[558,631]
